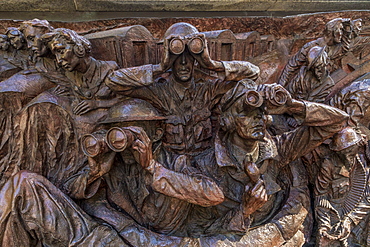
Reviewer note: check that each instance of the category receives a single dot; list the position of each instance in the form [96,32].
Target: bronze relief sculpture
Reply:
[188,147]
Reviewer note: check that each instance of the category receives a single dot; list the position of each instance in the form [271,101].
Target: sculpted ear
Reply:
[227,122]
[158,134]
[268,120]
[79,50]
[47,37]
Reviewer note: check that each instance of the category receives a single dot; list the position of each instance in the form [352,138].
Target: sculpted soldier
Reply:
[78,102]
[358,40]
[341,190]
[20,54]
[187,101]
[4,42]
[129,186]
[85,73]
[156,193]
[243,143]
[6,68]
[335,48]
[43,59]
[17,90]
[24,184]
[313,82]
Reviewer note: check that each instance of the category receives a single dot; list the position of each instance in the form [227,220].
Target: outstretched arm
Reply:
[319,121]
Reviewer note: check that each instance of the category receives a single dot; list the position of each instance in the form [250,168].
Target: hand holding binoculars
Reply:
[195,44]
[117,139]
[277,96]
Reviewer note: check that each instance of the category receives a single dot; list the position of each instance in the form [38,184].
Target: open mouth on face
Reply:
[66,66]
[258,127]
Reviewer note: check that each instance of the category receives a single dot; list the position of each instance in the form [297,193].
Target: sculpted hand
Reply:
[277,98]
[251,169]
[254,199]
[292,122]
[100,165]
[168,58]
[142,147]
[61,91]
[342,229]
[84,107]
[203,58]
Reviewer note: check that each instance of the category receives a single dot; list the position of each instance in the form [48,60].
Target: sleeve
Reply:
[238,70]
[359,41]
[360,213]
[324,177]
[192,187]
[320,123]
[76,186]
[294,64]
[232,222]
[297,85]
[320,93]
[127,79]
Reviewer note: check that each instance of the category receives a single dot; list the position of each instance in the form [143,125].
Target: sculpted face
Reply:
[64,54]
[348,155]
[250,124]
[338,33]
[320,67]
[4,44]
[182,68]
[16,41]
[357,27]
[33,35]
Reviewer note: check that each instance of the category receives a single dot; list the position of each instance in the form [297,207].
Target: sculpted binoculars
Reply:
[254,98]
[195,45]
[116,139]
[94,144]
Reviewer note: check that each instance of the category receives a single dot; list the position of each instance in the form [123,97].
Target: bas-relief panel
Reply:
[185,132]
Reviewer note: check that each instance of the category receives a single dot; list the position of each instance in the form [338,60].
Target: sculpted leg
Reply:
[33,211]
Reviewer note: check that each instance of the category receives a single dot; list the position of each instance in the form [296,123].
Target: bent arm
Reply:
[320,123]
[194,188]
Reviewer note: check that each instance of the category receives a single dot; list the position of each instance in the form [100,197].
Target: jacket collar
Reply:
[224,158]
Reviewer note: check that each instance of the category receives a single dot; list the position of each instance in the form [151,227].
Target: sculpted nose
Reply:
[58,58]
[259,116]
[183,60]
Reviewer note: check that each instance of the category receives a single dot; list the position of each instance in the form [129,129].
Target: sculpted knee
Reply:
[24,176]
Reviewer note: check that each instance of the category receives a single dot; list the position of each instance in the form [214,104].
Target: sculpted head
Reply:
[347,143]
[334,31]
[318,62]
[15,37]
[178,35]
[243,113]
[4,42]
[357,27]
[135,112]
[33,30]
[69,48]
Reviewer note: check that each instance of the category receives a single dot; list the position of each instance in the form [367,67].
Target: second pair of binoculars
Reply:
[195,44]
[255,98]
[116,139]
